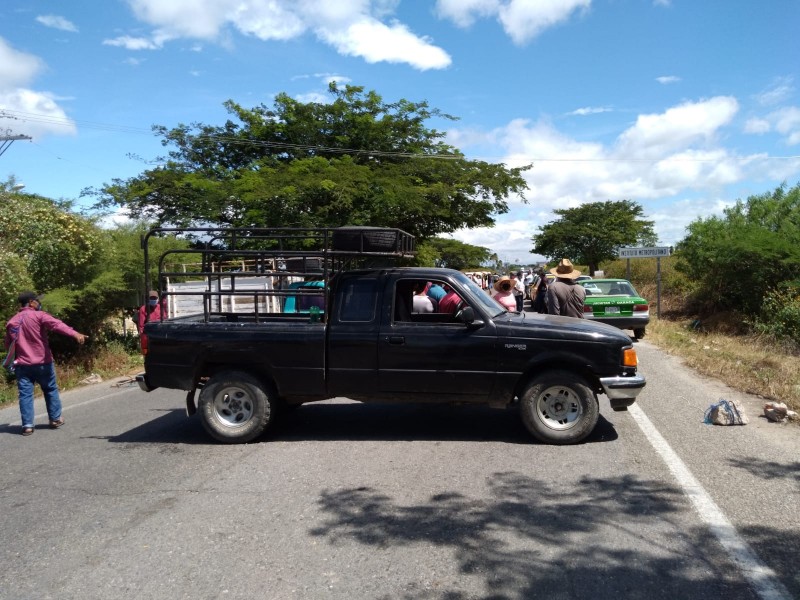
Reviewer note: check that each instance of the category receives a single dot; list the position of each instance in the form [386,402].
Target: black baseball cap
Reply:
[26,297]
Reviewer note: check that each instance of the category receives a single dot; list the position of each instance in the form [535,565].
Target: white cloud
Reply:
[186,18]
[757,126]
[667,79]
[132,43]
[522,20]
[660,158]
[375,42]
[510,240]
[317,97]
[24,111]
[785,121]
[589,110]
[465,12]
[778,92]
[17,68]
[57,22]
[654,135]
[34,114]
[352,27]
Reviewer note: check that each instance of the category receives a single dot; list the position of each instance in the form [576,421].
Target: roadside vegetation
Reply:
[730,293]
[753,353]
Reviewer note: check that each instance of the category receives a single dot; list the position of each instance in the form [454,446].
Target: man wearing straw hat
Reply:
[564,296]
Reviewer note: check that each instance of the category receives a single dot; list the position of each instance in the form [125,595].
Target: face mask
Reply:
[38,306]
[152,301]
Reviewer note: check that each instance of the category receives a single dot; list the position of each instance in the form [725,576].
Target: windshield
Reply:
[485,300]
[609,288]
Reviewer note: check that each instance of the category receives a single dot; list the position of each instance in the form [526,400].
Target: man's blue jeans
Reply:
[45,376]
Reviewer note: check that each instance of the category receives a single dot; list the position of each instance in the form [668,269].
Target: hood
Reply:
[540,326]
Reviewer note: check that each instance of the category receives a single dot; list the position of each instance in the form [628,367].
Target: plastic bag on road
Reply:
[726,412]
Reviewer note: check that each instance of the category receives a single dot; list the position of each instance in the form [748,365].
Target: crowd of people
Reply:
[559,296]
[554,292]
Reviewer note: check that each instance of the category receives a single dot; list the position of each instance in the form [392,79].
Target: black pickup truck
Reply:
[286,317]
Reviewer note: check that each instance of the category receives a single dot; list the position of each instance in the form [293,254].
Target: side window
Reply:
[425,301]
[358,301]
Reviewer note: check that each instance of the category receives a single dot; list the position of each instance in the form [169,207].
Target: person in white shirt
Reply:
[422,303]
[519,289]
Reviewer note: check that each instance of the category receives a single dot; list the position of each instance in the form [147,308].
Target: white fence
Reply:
[186,298]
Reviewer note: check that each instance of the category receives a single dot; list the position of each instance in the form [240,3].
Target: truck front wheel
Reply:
[559,408]
[234,407]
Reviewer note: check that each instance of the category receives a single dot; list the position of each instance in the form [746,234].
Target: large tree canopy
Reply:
[354,161]
[591,233]
[738,258]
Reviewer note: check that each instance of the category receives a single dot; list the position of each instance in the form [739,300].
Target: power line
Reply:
[53,120]
[7,139]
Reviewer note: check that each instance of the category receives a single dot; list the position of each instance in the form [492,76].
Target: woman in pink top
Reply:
[504,293]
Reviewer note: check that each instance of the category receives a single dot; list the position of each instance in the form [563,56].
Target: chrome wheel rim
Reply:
[559,408]
[233,406]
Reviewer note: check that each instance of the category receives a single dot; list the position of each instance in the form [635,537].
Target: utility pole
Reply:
[6,139]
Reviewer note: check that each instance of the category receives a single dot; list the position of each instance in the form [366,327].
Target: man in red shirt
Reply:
[450,301]
[28,329]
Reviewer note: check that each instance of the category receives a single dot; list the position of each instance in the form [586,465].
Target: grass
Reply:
[746,362]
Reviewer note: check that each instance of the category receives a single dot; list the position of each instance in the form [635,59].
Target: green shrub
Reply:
[780,315]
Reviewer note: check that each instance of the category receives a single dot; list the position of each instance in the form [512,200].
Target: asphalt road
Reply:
[131,499]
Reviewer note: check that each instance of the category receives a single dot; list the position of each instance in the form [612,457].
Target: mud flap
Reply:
[191,406]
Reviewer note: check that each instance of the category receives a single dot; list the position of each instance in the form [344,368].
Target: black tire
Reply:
[559,408]
[235,407]
[638,333]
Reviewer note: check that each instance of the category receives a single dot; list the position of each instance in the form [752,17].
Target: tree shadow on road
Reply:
[603,539]
[764,469]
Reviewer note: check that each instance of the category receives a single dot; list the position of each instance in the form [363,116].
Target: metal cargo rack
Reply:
[261,274]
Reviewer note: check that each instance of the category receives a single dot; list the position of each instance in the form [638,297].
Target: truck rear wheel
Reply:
[234,407]
[559,408]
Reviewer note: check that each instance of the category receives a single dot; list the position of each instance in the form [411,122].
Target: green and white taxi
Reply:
[616,302]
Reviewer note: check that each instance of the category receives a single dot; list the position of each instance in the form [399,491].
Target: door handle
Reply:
[396,339]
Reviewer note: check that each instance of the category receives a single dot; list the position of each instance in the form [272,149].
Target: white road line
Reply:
[65,408]
[763,579]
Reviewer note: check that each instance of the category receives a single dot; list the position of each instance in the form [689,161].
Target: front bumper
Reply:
[622,391]
[634,322]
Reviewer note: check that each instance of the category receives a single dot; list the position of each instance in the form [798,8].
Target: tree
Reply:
[453,254]
[738,259]
[354,161]
[61,248]
[591,233]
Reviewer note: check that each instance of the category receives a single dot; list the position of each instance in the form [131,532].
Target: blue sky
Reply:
[683,106]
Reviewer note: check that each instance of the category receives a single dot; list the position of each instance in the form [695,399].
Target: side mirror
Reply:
[467,316]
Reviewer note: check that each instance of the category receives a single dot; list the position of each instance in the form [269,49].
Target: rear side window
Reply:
[359,299]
